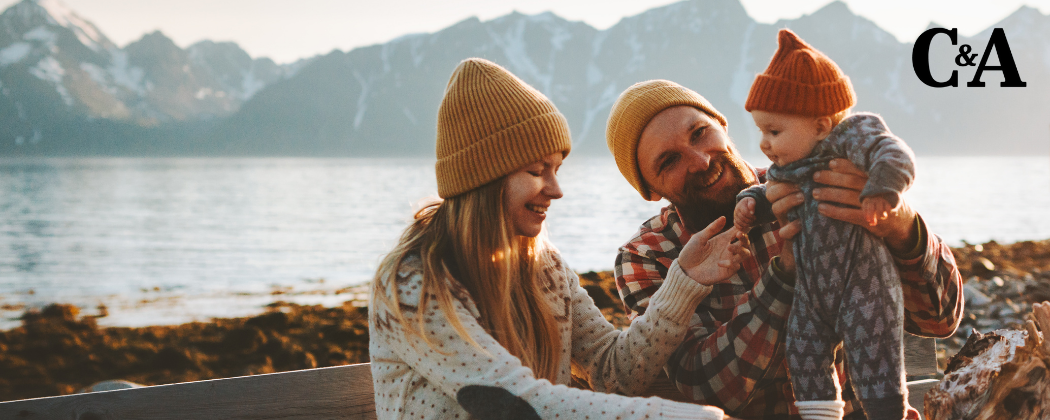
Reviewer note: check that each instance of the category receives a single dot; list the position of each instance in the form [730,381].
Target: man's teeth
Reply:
[714,177]
[536,209]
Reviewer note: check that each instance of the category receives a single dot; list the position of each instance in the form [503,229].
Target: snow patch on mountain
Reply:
[512,43]
[97,74]
[409,115]
[740,85]
[84,30]
[14,53]
[594,75]
[559,36]
[49,69]
[362,101]
[41,34]
[893,93]
[637,54]
[250,85]
[597,109]
[417,51]
[124,74]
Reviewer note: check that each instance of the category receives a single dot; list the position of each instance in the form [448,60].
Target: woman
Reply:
[474,295]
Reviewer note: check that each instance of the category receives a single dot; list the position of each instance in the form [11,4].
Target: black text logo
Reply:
[920,59]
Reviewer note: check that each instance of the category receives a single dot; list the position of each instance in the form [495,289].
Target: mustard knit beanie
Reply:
[800,80]
[632,112]
[490,124]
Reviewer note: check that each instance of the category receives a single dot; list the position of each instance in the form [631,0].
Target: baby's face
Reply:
[786,137]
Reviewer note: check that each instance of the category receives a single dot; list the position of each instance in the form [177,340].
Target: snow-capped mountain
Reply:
[383,99]
[56,66]
[151,97]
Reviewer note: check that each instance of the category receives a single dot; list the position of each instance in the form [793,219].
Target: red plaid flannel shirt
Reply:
[733,355]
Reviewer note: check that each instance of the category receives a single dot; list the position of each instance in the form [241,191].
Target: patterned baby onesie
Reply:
[847,287]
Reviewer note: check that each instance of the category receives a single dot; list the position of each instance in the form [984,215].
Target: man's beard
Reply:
[699,205]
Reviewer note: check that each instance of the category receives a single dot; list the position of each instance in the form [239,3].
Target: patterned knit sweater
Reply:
[415,381]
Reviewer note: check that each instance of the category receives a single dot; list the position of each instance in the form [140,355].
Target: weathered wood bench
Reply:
[343,392]
[920,365]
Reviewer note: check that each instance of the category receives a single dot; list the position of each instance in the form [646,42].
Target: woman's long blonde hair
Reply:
[469,239]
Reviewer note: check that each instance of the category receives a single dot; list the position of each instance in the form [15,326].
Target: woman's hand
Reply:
[845,181]
[709,258]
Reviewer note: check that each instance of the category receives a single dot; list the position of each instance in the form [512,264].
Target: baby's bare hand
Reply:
[744,214]
[875,208]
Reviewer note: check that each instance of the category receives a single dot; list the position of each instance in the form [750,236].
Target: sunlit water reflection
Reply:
[171,240]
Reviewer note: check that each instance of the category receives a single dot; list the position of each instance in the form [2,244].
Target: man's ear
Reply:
[654,196]
[823,126]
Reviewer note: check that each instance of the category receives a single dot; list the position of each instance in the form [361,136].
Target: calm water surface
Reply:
[170,240]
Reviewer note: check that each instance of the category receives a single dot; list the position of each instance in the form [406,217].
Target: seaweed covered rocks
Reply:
[56,351]
[1001,284]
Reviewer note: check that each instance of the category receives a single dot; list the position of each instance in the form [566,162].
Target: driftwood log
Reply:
[999,375]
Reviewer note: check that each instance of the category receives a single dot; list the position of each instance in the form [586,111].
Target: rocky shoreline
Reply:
[57,351]
[1000,285]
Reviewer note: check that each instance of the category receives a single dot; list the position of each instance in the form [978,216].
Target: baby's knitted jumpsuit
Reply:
[847,288]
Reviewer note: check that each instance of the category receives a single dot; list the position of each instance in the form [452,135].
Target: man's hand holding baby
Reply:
[840,200]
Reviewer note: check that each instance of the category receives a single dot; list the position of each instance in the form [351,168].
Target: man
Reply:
[669,142]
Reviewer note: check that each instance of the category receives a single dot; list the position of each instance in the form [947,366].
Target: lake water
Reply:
[170,240]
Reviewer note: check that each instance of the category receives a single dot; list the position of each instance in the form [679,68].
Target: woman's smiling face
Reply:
[528,193]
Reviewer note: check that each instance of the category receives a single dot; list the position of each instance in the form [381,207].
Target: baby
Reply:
[847,288]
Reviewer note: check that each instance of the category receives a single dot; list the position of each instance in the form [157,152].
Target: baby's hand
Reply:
[744,214]
[875,208]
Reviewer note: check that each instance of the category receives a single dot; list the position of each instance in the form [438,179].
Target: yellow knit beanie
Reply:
[632,112]
[490,124]
[800,80]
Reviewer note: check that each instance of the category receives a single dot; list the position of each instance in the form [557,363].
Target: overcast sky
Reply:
[286,30]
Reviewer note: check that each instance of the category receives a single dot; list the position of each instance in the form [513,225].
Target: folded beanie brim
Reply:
[777,94]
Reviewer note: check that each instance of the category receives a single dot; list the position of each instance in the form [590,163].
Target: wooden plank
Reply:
[920,364]
[920,357]
[663,388]
[342,392]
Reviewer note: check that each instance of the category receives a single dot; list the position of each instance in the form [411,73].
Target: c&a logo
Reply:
[920,59]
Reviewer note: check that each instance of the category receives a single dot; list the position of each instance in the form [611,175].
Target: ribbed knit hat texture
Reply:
[490,124]
[632,112]
[800,80]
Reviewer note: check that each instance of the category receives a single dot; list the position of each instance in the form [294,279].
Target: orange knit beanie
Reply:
[800,80]
[490,124]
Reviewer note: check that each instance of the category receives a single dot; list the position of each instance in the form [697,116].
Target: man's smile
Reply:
[712,174]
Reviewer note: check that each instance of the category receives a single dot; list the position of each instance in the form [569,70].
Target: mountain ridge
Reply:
[214,99]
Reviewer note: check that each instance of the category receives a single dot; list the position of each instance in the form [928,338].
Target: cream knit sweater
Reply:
[414,381]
